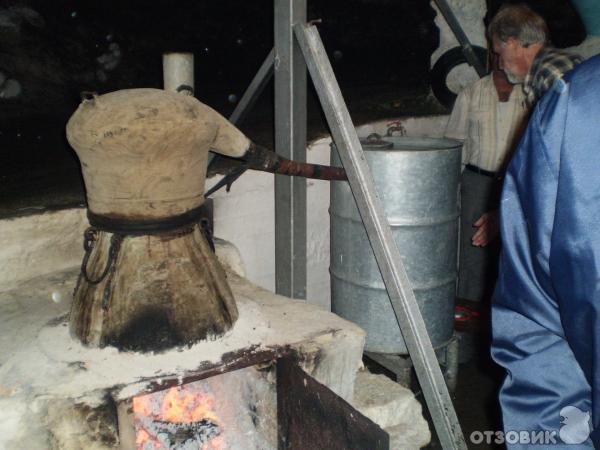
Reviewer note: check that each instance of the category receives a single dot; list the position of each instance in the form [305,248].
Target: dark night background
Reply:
[380,51]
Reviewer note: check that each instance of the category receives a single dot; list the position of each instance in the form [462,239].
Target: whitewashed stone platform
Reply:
[44,373]
[40,361]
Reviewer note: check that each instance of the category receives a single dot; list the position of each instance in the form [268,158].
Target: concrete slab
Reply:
[394,408]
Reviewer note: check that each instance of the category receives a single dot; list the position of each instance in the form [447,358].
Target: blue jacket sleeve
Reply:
[546,325]
[575,241]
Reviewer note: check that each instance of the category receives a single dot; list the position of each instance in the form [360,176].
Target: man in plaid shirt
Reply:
[520,39]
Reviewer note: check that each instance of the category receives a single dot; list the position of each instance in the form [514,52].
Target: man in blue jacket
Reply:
[546,309]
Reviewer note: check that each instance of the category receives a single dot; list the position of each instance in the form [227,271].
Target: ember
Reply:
[178,418]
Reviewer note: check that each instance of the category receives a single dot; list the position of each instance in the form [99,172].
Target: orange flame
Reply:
[183,404]
[142,405]
[142,437]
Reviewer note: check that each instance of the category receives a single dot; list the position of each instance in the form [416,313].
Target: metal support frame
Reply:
[380,235]
[255,88]
[286,62]
[290,142]
[251,94]
[290,196]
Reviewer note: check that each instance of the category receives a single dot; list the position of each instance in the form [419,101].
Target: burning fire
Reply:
[180,417]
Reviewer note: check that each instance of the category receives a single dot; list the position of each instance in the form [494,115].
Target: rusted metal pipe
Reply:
[259,158]
[299,169]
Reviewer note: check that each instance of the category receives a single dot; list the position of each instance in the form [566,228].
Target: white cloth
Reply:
[486,126]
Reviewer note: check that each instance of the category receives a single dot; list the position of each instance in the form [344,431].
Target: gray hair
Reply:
[520,23]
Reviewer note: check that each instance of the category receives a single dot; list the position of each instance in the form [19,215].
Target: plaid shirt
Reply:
[548,66]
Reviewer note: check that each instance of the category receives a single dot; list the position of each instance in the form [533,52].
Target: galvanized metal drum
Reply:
[418,183]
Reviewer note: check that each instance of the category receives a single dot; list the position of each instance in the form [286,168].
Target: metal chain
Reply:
[89,241]
[206,231]
[115,246]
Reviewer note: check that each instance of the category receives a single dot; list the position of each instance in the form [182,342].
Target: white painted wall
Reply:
[245,216]
[40,244]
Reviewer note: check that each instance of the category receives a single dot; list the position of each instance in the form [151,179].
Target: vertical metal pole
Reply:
[290,142]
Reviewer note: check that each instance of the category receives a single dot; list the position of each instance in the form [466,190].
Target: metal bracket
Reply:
[384,247]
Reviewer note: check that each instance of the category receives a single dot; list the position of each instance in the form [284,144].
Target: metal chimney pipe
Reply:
[178,72]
